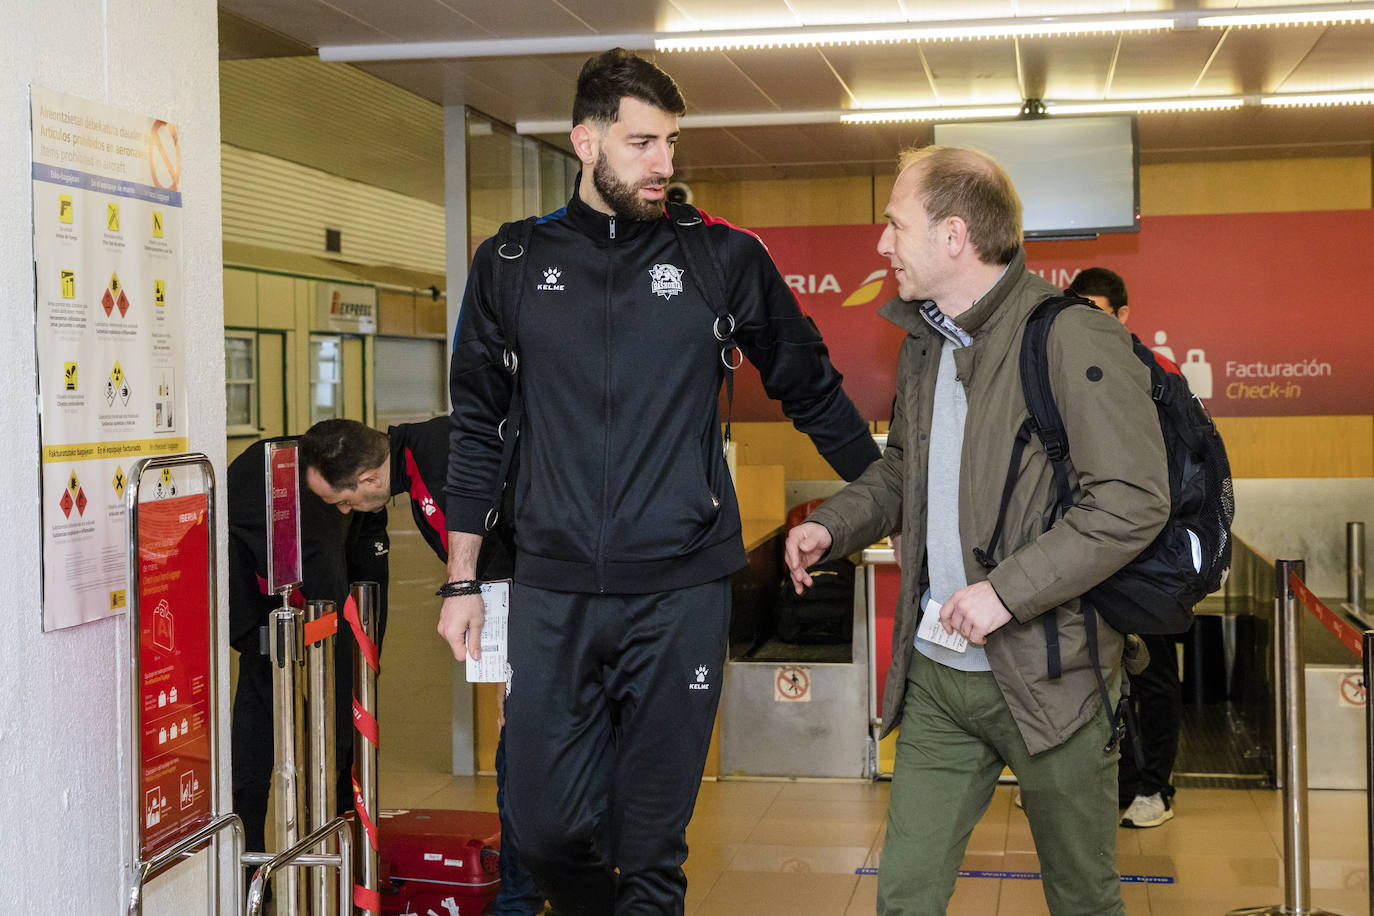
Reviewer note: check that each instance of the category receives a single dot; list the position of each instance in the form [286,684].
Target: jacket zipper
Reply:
[606,441]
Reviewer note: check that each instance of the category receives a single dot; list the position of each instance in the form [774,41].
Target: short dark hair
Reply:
[342,449]
[972,186]
[615,74]
[1099,281]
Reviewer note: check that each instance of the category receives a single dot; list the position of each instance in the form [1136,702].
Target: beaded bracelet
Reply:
[459,588]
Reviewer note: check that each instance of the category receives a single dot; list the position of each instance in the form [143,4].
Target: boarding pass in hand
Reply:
[931,630]
[492,666]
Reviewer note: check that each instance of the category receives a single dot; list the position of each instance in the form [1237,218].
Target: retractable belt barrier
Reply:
[1334,623]
[360,610]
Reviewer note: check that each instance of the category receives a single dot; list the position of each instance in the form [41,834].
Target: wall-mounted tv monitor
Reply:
[1077,176]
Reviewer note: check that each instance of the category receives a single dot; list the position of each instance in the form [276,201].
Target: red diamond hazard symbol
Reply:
[66,503]
[81,502]
[108,302]
[123,304]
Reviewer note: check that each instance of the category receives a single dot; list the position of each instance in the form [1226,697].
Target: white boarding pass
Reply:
[931,630]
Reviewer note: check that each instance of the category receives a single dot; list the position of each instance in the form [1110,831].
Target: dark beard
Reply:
[622,198]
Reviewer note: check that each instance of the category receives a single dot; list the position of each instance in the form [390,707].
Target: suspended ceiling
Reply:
[403,129]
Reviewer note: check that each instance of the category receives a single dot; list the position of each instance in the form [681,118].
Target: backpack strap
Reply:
[513,242]
[1045,422]
[1122,710]
[703,263]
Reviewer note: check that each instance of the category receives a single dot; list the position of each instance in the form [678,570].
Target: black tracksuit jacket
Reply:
[622,486]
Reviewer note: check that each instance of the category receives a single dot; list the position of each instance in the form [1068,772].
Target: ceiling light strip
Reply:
[1294,16]
[1294,100]
[930,114]
[858,33]
[1125,106]
[888,34]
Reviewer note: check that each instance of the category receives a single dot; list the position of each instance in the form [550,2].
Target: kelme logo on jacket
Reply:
[667,280]
[551,277]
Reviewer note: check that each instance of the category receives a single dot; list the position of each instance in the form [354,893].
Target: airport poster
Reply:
[108,324]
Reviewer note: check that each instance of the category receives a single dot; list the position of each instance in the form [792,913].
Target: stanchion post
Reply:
[1354,565]
[366,866]
[323,772]
[285,643]
[1368,644]
[1293,696]
[1293,763]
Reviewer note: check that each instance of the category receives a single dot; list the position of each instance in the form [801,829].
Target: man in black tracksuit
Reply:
[335,551]
[626,524]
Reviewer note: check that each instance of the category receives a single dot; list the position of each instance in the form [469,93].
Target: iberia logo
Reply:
[868,290]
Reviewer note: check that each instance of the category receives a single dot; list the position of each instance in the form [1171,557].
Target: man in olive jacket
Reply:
[1023,693]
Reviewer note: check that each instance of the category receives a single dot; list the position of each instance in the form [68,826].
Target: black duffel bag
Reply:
[824,613]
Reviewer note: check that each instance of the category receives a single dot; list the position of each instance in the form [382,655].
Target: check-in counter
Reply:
[795,710]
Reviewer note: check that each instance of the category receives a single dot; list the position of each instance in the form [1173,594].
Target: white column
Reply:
[456,236]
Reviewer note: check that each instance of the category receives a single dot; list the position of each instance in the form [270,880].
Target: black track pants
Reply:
[608,723]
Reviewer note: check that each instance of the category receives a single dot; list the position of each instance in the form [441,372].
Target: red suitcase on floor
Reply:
[439,863]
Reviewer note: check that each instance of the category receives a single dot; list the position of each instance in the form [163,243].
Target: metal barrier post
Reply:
[366,864]
[1293,711]
[323,773]
[1354,565]
[286,649]
[297,856]
[1368,643]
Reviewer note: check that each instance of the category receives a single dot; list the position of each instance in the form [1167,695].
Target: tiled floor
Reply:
[796,848]
[792,848]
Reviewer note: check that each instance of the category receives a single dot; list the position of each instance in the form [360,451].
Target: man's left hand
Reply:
[975,611]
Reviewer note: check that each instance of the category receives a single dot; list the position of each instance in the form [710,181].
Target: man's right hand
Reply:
[806,543]
[460,623]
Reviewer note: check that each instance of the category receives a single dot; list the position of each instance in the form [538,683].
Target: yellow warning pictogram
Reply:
[167,477]
[157,224]
[119,482]
[112,216]
[114,283]
[159,292]
[73,484]
[117,600]
[68,284]
[117,373]
[69,376]
[64,208]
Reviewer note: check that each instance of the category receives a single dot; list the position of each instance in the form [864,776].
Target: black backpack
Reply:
[1154,593]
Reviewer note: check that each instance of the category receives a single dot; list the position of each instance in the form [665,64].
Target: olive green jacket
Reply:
[1119,477]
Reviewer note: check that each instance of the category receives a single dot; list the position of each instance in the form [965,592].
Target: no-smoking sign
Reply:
[792,684]
[1353,690]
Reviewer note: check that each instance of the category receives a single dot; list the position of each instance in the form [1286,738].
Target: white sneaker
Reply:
[1147,811]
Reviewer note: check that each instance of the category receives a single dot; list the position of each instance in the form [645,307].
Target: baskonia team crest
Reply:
[667,280]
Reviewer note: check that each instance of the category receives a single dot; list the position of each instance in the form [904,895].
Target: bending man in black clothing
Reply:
[355,468]
[626,524]
[335,551]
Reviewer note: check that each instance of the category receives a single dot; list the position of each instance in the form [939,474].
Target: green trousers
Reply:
[957,733]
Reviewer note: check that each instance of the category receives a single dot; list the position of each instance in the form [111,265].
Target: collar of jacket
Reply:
[597,225]
[987,312]
[400,477]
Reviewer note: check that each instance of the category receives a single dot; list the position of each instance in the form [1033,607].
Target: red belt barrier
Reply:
[1338,626]
[325,627]
[366,725]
